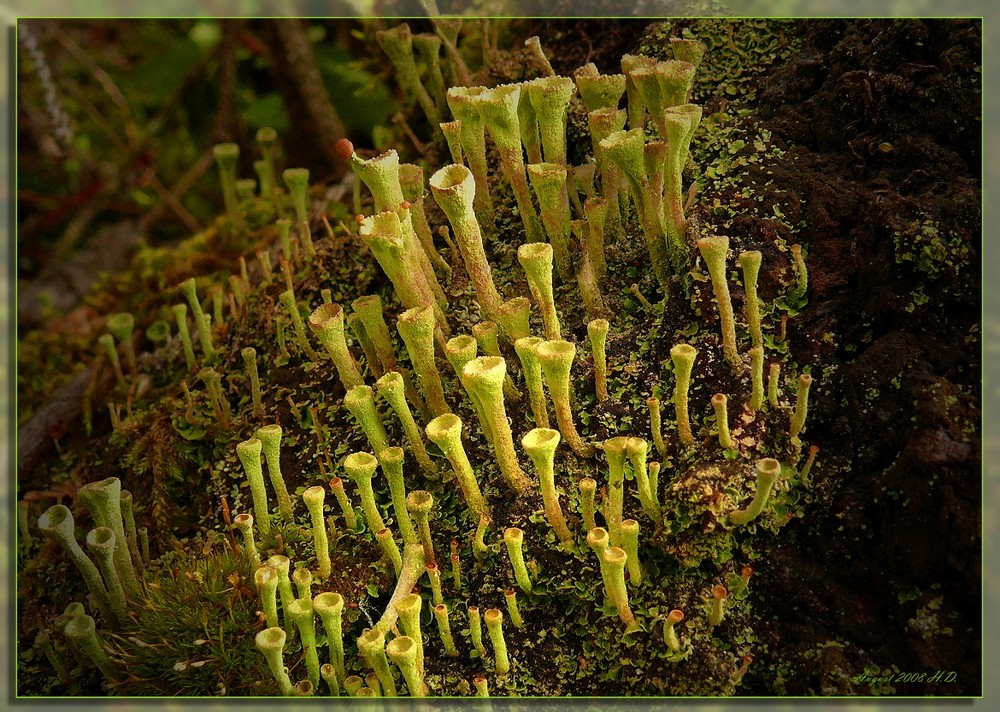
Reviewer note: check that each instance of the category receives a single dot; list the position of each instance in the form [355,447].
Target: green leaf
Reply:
[159,75]
[268,110]
[361,101]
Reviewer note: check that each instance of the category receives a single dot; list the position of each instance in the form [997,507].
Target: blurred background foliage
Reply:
[116,119]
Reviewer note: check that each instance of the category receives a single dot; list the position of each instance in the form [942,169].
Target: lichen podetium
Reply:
[465,434]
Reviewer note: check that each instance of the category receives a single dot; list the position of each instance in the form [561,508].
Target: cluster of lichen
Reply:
[696,502]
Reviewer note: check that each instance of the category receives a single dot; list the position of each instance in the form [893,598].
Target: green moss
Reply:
[195,635]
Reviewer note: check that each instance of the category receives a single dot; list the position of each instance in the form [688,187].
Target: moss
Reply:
[195,636]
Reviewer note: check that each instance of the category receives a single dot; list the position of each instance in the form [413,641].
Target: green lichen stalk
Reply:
[452,131]
[472,134]
[714,251]
[391,461]
[486,376]
[397,43]
[270,440]
[313,498]
[454,189]
[616,452]
[103,500]
[768,470]
[513,538]
[369,309]
[750,264]
[180,316]
[656,425]
[510,596]
[409,608]
[201,323]
[719,401]
[301,612]
[360,403]
[680,123]
[271,643]
[357,328]
[297,180]
[718,606]
[531,368]
[327,323]
[244,522]
[434,576]
[101,543]
[226,156]
[626,150]
[540,444]
[329,675]
[267,137]
[220,404]
[282,565]
[329,606]
[44,641]
[360,468]
[392,389]
[637,450]
[82,632]
[411,181]
[550,98]
[482,686]
[596,210]
[669,633]
[801,274]
[287,299]
[773,373]
[419,504]
[498,107]
[403,652]
[384,235]
[630,543]
[250,364]
[549,182]
[597,331]
[602,123]
[446,432]
[249,453]
[346,508]
[131,533]
[588,507]
[683,356]
[756,401]
[494,625]
[476,630]
[798,421]
[536,260]
[614,558]
[556,358]
[460,350]
[444,628]
[416,327]
[266,580]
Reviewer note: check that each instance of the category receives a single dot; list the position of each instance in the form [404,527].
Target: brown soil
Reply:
[884,118]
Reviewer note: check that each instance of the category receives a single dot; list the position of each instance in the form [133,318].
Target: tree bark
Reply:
[295,62]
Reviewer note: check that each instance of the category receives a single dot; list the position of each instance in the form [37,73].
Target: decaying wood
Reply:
[36,438]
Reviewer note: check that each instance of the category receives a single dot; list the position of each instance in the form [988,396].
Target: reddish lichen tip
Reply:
[344,149]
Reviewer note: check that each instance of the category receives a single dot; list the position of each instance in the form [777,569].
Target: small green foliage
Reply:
[194,634]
